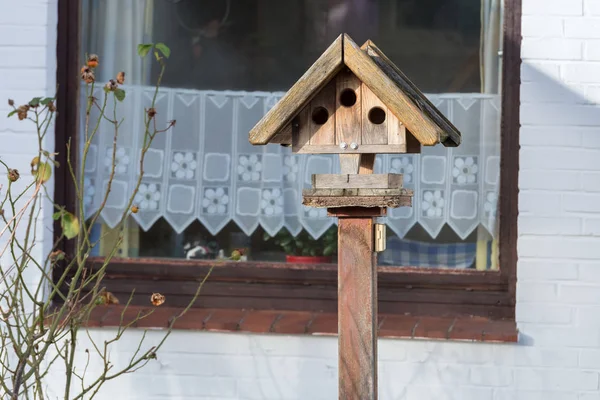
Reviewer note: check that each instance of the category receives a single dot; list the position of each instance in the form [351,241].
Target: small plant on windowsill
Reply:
[303,248]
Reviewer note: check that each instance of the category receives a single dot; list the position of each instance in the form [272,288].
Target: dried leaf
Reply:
[92,61]
[121,78]
[157,299]
[13,175]
[105,298]
[111,86]
[22,112]
[57,255]
[87,74]
[111,298]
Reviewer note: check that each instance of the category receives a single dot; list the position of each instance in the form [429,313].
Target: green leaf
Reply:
[164,49]
[35,102]
[144,49]
[266,236]
[46,101]
[70,225]
[57,215]
[157,56]
[10,114]
[120,94]
[43,172]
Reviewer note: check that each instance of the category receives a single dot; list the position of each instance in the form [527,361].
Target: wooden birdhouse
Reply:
[353,101]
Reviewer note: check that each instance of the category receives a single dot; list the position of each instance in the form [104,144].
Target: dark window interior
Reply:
[268,44]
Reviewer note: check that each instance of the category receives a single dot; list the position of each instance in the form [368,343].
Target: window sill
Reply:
[307,288]
[474,329]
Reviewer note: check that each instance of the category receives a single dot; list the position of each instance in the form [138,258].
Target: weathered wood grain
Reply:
[318,75]
[284,136]
[325,133]
[396,131]
[301,130]
[448,133]
[367,163]
[348,121]
[373,133]
[370,201]
[357,310]
[362,149]
[349,163]
[393,95]
[343,181]
[349,192]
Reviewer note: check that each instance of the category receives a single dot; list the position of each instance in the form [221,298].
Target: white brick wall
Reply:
[558,305]
[27,70]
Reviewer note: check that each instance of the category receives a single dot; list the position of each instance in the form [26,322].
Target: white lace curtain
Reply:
[205,169]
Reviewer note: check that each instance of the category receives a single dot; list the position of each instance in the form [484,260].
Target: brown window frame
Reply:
[293,298]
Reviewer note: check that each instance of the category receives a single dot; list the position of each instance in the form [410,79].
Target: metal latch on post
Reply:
[380,238]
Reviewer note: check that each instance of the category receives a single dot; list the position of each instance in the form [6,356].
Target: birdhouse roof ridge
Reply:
[425,122]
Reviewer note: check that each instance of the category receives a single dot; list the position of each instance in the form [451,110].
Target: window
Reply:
[207,191]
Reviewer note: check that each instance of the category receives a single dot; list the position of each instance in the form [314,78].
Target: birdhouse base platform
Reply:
[357,197]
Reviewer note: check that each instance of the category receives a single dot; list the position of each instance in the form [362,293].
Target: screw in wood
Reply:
[343,145]
[354,146]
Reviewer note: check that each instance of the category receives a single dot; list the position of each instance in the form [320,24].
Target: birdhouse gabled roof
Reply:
[424,121]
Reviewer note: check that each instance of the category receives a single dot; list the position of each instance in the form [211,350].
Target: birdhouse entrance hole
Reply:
[348,98]
[320,115]
[377,115]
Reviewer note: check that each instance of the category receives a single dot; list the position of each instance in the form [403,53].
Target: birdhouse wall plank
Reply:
[284,136]
[413,145]
[374,118]
[348,124]
[322,116]
[396,131]
[301,130]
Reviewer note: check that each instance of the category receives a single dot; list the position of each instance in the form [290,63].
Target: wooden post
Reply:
[357,303]
[357,296]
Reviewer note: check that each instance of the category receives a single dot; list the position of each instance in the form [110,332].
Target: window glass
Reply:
[207,191]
